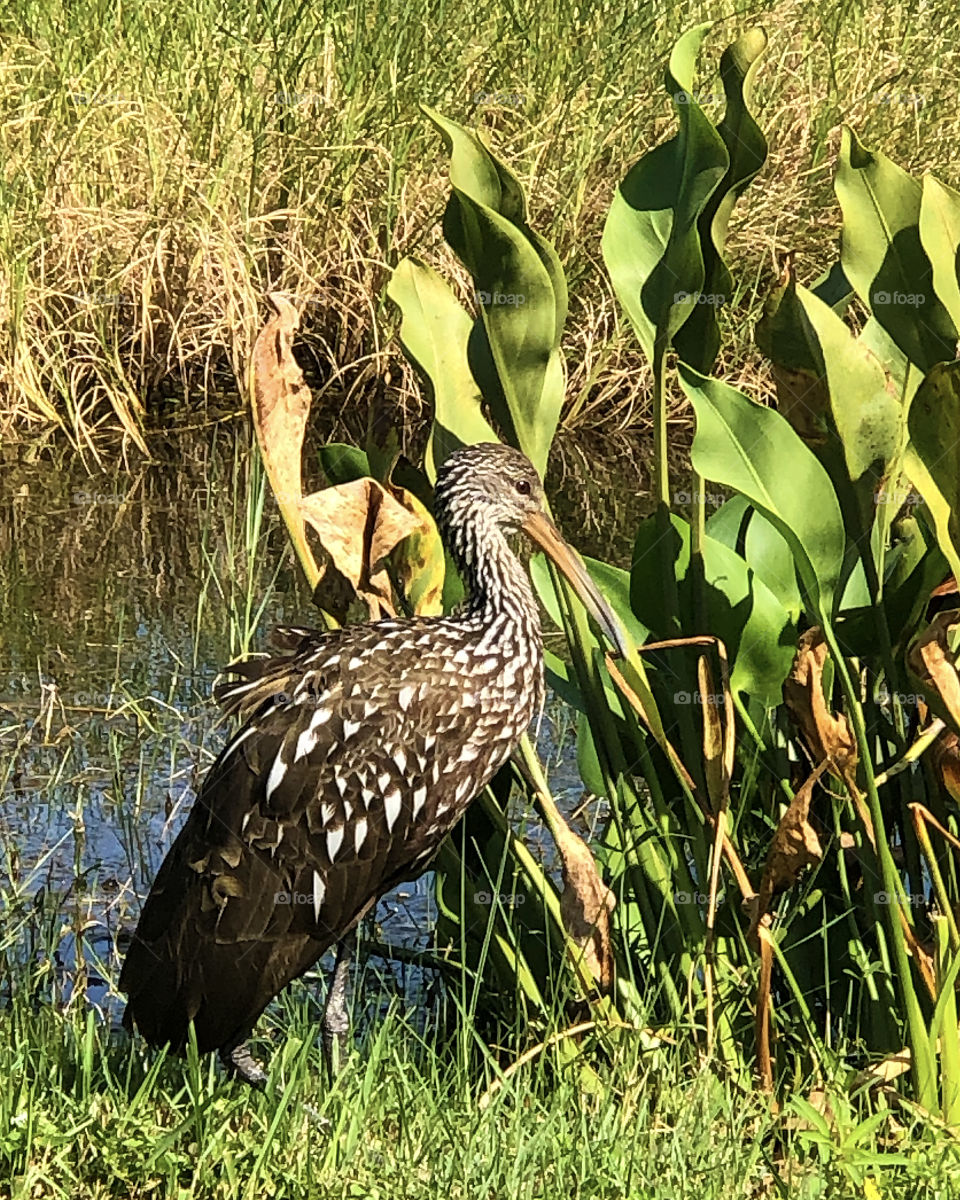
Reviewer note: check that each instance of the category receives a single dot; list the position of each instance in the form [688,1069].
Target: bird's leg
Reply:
[336,1021]
[239,1061]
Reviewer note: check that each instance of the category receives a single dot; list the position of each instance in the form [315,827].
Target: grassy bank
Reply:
[163,168]
[82,1115]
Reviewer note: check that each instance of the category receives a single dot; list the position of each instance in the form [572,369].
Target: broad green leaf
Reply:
[940,235]
[740,609]
[866,412]
[383,438]
[434,331]
[914,566]
[883,256]
[833,288]
[933,456]
[744,446]
[419,559]
[698,339]
[558,678]
[520,290]
[783,334]
[342,463]
[651,243]
[613,582]
[588,761]
[827,372]
[742,136]
[470,171]
[765,550]
[904,377]
[557,673]
[727,524]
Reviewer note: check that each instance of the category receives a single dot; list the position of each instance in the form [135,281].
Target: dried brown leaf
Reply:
[586,904]
[946,756]
[795,846]
[827,736]
[883,1072]
[281,406]
[359,524]
[713,744]
[762,1015]
[933,661]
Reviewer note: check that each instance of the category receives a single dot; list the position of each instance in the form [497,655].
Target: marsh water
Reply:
[122,593]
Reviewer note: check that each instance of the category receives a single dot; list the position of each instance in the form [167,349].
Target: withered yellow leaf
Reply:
[359,524]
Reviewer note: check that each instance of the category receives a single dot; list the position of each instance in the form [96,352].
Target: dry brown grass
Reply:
[147,206]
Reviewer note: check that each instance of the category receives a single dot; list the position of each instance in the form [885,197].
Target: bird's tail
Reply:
[191,961]
[221,988]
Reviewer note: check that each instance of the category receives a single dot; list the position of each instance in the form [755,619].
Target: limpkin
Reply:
[360,750]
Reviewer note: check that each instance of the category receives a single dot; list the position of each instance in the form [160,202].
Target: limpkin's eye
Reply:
[523,486]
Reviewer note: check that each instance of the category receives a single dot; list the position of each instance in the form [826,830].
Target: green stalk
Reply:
[923,1065]
[697,534]
[945,1021]
[661,464]
[943,896]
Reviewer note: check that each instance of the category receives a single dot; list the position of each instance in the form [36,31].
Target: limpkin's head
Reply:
[492,485]
[488,482]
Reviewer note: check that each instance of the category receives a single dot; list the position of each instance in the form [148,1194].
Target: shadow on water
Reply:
[121,595]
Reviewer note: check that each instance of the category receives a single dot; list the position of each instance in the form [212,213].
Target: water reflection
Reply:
[121,594]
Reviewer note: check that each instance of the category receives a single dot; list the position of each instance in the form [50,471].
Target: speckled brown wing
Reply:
[344,780]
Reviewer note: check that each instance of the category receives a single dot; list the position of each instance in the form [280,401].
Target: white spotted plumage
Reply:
[396,725]
[361,749]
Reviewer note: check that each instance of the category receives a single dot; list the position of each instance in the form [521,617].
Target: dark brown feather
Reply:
[231,917]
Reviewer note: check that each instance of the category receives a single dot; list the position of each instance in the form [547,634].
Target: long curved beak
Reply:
[541,530]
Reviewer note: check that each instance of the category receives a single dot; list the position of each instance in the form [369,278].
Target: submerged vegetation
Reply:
[746,985]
